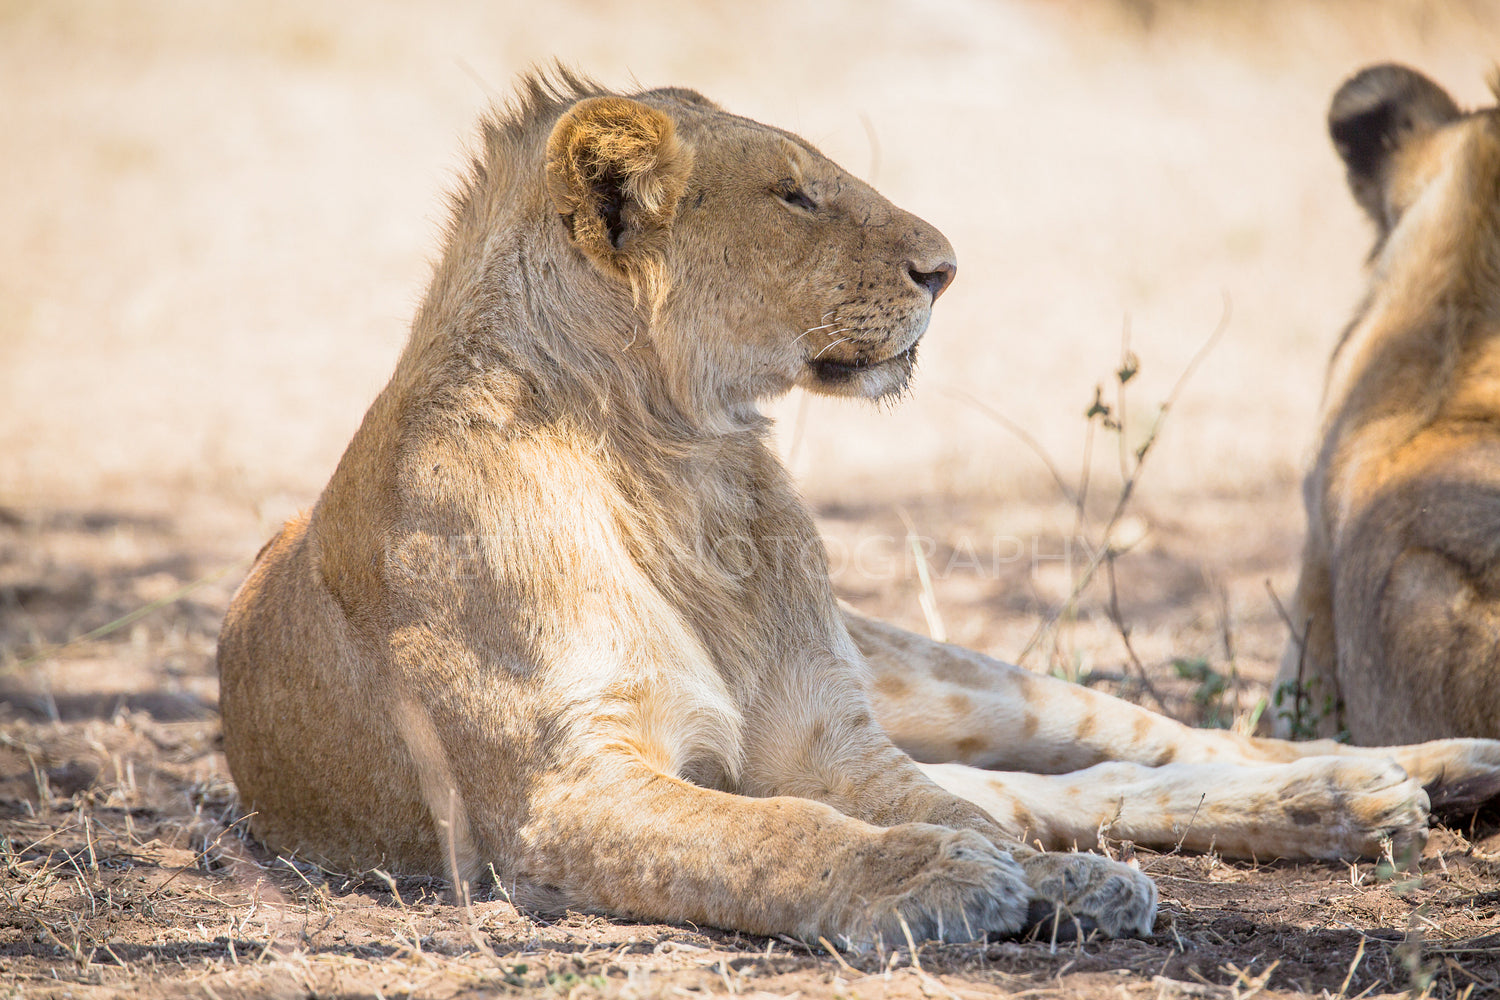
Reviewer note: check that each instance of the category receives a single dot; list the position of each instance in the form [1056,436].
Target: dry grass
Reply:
[121,868]
[196,194]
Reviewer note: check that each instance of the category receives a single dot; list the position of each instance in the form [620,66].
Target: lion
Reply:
[559,621]
[1397,608]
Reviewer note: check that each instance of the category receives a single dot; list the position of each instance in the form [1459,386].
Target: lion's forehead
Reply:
[751,143]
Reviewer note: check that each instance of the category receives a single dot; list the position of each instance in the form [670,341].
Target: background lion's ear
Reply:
[615,171]
[1374,114]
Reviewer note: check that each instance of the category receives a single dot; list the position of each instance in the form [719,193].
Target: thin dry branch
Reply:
[1021,435]
[1113,610]
[1127,489]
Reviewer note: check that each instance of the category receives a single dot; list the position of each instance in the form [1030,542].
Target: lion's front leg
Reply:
[830,749]
[629,840]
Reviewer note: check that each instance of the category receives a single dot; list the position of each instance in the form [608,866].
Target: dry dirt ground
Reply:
[218,219]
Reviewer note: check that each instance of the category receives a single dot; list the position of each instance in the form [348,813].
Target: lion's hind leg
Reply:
[1093,760]
[1315,807]
[1460,775]
[941,703]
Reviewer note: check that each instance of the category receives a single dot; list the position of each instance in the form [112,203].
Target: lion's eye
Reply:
[793,195]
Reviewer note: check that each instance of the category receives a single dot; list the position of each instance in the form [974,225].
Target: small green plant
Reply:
[566,980]
[1209,693]
[1305,706]
[1072,669]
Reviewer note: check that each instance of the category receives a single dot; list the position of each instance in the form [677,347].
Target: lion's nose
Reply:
[935,281]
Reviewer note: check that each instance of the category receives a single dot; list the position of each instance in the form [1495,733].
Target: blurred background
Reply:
[219,218]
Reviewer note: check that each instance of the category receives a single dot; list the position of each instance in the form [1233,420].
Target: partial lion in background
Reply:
[560,615]
[1399,597]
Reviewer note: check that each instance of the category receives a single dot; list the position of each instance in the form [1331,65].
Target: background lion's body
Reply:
[1400,588]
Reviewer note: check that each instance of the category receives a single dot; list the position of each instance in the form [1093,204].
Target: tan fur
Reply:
[1060,765]
[1400,589]
[559,611]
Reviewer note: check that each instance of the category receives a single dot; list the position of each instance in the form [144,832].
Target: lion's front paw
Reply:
[1350,806]
[1115,898]
[967,888]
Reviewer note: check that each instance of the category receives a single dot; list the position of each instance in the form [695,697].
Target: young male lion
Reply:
[560,614]
[1399,596]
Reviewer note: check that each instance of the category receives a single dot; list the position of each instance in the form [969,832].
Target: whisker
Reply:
[836,343]
[812,329]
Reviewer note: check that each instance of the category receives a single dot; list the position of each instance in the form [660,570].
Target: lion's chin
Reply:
[863,379]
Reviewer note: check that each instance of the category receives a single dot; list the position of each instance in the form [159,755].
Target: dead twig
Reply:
[1133,477]
[1123,630]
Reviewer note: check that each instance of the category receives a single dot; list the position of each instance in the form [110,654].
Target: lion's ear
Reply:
[615,172]
[1374,114]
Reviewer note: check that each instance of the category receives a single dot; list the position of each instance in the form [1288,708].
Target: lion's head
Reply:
[1407,145]
[741,257]
[1428,175]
